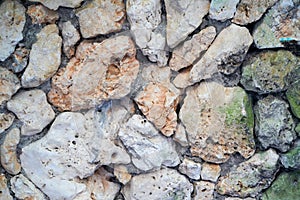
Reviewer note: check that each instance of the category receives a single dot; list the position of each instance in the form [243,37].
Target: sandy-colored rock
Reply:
[186,54]
[54,4]
[190,168]
[4,194]
[44,57]
[6,120]
[214,117]
[70,37]
[101,17]
[210,172]
[32,108]
[182,80]
[204,190]
[180,136]
[9,84]
[19,59]
[12,21]
[122,174]
[183,17]
[99,71]
[222,10]
[39,14]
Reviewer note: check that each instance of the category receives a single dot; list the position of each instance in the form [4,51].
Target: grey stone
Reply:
[5,194]
[180,136]
[54,4]
[10,84]
[291,159]
[6,120]
[222,10]
[70,38]
[19,59]
[190,168]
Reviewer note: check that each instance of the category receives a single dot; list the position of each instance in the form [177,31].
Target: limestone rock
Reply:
[12,21]
[274,124]
[54,4]
[4,194]
[190,168]
[44,57]
[148,149]
[235,198]
[101,17]
[184,55]
[70,38]
[291,159]
[293,96]
[6,120]
[222,10]
[182,80]
[9,160]
[122,174]
[183,17]
[204,190]
[249,11]
[165,184]
[214,117]
[250,177]
[282,20]
[180,136]
[25,189]
[32,108]
[210,172]
[19,59]
[39,14]
[225,54]
[9,84]
[263,72]
[99,71]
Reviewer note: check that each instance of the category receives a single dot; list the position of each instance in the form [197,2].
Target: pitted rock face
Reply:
[222,10]
[54,4]
[39,14]
[99,71]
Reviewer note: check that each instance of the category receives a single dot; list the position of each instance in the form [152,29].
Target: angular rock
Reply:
[9,84]
[165,184]
[204,190]
[99,71]
[4,194]
[54,4]
[39,14]
[12,21]
[182,80]
[8,150]
[32,108]
[291,159]
[6,120]
[122,174]
[250,177]
[214,117]
[293,96]
[70,38]
[180,136]
[184,55]
[249,11]
[274,125]
[101,17]
[222,10]
[225,55]
[25,189]
[263,72]
[210,172]
[183,17]
[281,21]
[190,168]
[19,59]
[44,57]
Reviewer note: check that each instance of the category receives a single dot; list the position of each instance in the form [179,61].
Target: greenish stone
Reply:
[297,129]
[285,187]
[291,159]
[293,96]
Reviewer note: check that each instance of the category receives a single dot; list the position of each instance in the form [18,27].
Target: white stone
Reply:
[70,38]
[6,120]
[222,10]
[5,194]
[190,168]
[54,4]
[10,84]
[210,172]
[180,136]
[204,190]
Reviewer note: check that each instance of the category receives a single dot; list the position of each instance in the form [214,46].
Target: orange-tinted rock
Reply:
[39,14]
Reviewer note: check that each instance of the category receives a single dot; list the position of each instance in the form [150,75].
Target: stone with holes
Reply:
[222,10]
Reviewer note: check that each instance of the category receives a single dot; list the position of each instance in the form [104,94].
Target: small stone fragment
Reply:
[190,168]
[32,108]
[70,38]
[250,177]
[44,57]
[291,159]
[4,194]
[12,21]
[210,172]
[122,174]
[6,120]
[293,96]
[25,189]
[101,17]
[180,136]
[19,59]
[54,4]
[165,184]
[204,190]
[39,14]
[9,84]
[222,10]
[182,80]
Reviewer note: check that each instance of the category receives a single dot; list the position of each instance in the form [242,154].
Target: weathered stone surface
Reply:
[263,72]
[148,149]
[9,84]
[180,136]
[235,198]
[165,184]
[184,55]
[225,54]
[99,71]
[183,17]
[32,108]
[297,129]
[4,194]
[210,172]
[101,17]
[222,10]
[25,189]
[6,120]
[293,96]
[291,159]
[214,117]
[282,20]
[44,57]
[250,177]
[190,168]
[249,11]
[9,160]
[54,4]
[70,38]
[12,21]
[182,80]
[122,174]
[274,125]
[19,59]
[204,190]
[286,186]
[39,14]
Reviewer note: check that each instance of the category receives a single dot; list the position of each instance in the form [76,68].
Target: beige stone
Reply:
[54,4]
[39,14]
[180,136]
[70,38]
[5,194]
[9,84]
[122,174]
[204,190]
[6,120]
[210,172]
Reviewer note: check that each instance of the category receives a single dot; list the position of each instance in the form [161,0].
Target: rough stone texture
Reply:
[180,136]
[32,108]
[297,129]
[204,190]
[182,80]
[44,57]
[20,59]
[249,11]
[219,121]
[101,17]
[4,194]
[190,168]
[70,37]
[225,54]
[293,96]
[210,172]
[291,159]
[99,71]
[9,160]
[282,20]
[183,17]
[39,14]
[145,19]
[250,177]
[9,84]
[54,4]
[222,10]
[148,149]
[235,198]
[263,72]
[165,184]
[12,21]
[25,189]
[6,120]
[184,55]
[122,174]
[274,125]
